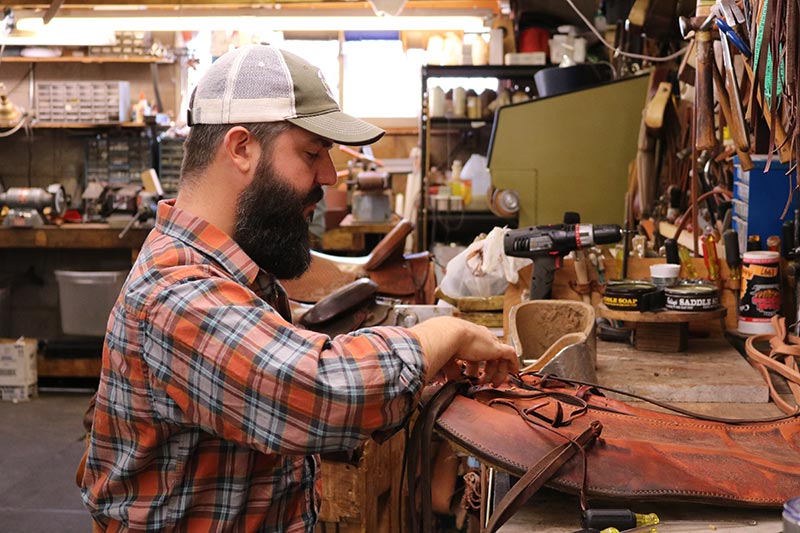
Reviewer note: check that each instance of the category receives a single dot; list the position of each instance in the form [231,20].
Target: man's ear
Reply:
[241,149]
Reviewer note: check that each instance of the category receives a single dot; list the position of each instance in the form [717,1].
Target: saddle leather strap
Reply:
[418,457]
[669,407]
[782,359]
[539,474]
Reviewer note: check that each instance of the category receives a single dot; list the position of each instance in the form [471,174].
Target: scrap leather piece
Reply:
[641,454]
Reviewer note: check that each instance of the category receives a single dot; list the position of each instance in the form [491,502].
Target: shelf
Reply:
[481,71]
[87,125]
[459,123]
[88,59]
[75,236]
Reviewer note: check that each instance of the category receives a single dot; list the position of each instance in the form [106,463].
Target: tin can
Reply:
[692,296]
[760,296]
[791,516]
[630,295]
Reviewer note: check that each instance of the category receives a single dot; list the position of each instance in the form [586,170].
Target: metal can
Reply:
[628,295]
[760,297]
[692,296]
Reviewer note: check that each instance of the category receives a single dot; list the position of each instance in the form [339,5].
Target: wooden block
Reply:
[362,497]
[656,337]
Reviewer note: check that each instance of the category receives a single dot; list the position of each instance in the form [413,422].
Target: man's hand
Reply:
[448,342]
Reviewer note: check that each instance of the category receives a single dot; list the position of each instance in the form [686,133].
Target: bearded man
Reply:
[212,406]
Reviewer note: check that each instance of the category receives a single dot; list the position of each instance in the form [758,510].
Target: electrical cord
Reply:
[617,51]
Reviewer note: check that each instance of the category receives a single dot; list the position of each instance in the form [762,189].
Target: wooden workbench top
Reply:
[72,236]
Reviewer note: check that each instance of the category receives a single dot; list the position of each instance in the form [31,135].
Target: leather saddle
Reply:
[339,294]
[567,434]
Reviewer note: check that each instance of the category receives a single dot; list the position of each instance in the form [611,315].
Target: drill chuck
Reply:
[607,233]
[558,239]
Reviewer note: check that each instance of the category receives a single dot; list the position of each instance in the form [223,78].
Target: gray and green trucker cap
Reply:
[259,83]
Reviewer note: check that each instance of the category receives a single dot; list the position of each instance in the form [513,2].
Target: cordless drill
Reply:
[546,245]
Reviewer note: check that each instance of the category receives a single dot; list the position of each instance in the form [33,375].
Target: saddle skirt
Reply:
[641,454]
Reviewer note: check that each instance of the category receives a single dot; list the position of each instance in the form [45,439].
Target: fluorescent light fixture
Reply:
[85,25]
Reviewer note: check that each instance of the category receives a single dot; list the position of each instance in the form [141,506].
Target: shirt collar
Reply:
[209,240]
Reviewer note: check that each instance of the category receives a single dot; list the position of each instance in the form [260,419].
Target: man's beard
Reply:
[270,225]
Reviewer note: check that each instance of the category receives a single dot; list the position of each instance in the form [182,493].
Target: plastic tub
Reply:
[86,299]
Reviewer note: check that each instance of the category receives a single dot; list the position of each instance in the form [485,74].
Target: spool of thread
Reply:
[760,296]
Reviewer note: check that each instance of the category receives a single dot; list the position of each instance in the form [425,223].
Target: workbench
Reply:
[73,236]
[712,379]
[45,244]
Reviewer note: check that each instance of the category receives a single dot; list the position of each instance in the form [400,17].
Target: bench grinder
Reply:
[30,207]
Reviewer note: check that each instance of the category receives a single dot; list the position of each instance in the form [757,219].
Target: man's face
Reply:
[272,219]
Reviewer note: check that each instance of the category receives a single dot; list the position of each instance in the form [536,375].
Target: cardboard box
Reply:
[18,394]
[18,362]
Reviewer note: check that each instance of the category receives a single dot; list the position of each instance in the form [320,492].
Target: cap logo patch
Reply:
[325,85]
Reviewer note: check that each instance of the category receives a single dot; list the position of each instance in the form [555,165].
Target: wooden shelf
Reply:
[446,123]
[88,60]
[87,125]
[484,71]
[74,236]
[661,316]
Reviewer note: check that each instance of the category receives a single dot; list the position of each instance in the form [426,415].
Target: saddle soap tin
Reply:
[632,295]
[692,296]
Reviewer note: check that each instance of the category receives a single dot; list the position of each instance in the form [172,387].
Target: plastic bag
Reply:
[482,269]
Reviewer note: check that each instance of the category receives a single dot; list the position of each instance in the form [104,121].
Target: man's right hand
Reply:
[449,342]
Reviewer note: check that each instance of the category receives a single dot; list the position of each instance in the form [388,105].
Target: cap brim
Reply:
[340,128]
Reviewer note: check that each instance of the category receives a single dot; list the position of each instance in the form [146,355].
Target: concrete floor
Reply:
[41,442]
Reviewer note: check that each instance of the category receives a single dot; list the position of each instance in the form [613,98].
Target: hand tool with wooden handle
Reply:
[738,125]
[725,104]
[704,91]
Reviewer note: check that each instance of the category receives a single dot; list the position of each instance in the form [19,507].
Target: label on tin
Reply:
[692,303]
[621,302]
[760,297]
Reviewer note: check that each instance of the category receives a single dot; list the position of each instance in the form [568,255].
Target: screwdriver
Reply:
[710,256]
[732,256]
[621,519]
[686,262]
[671,248]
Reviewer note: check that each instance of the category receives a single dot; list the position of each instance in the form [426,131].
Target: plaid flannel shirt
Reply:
[212,406]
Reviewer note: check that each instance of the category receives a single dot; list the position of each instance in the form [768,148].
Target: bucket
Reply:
[86,299]
[760,297]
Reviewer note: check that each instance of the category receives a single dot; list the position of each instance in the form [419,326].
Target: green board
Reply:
[570,152]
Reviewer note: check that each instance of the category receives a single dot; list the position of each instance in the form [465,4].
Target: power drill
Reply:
[546,245]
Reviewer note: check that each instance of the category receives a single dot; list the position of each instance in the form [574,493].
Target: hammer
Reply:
[704,79]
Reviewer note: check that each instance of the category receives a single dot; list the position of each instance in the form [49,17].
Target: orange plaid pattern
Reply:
[212,406]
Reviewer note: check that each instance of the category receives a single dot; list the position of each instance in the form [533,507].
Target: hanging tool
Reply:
[738,124]
[705,138]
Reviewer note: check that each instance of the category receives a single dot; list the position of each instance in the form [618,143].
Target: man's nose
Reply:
[326,175]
